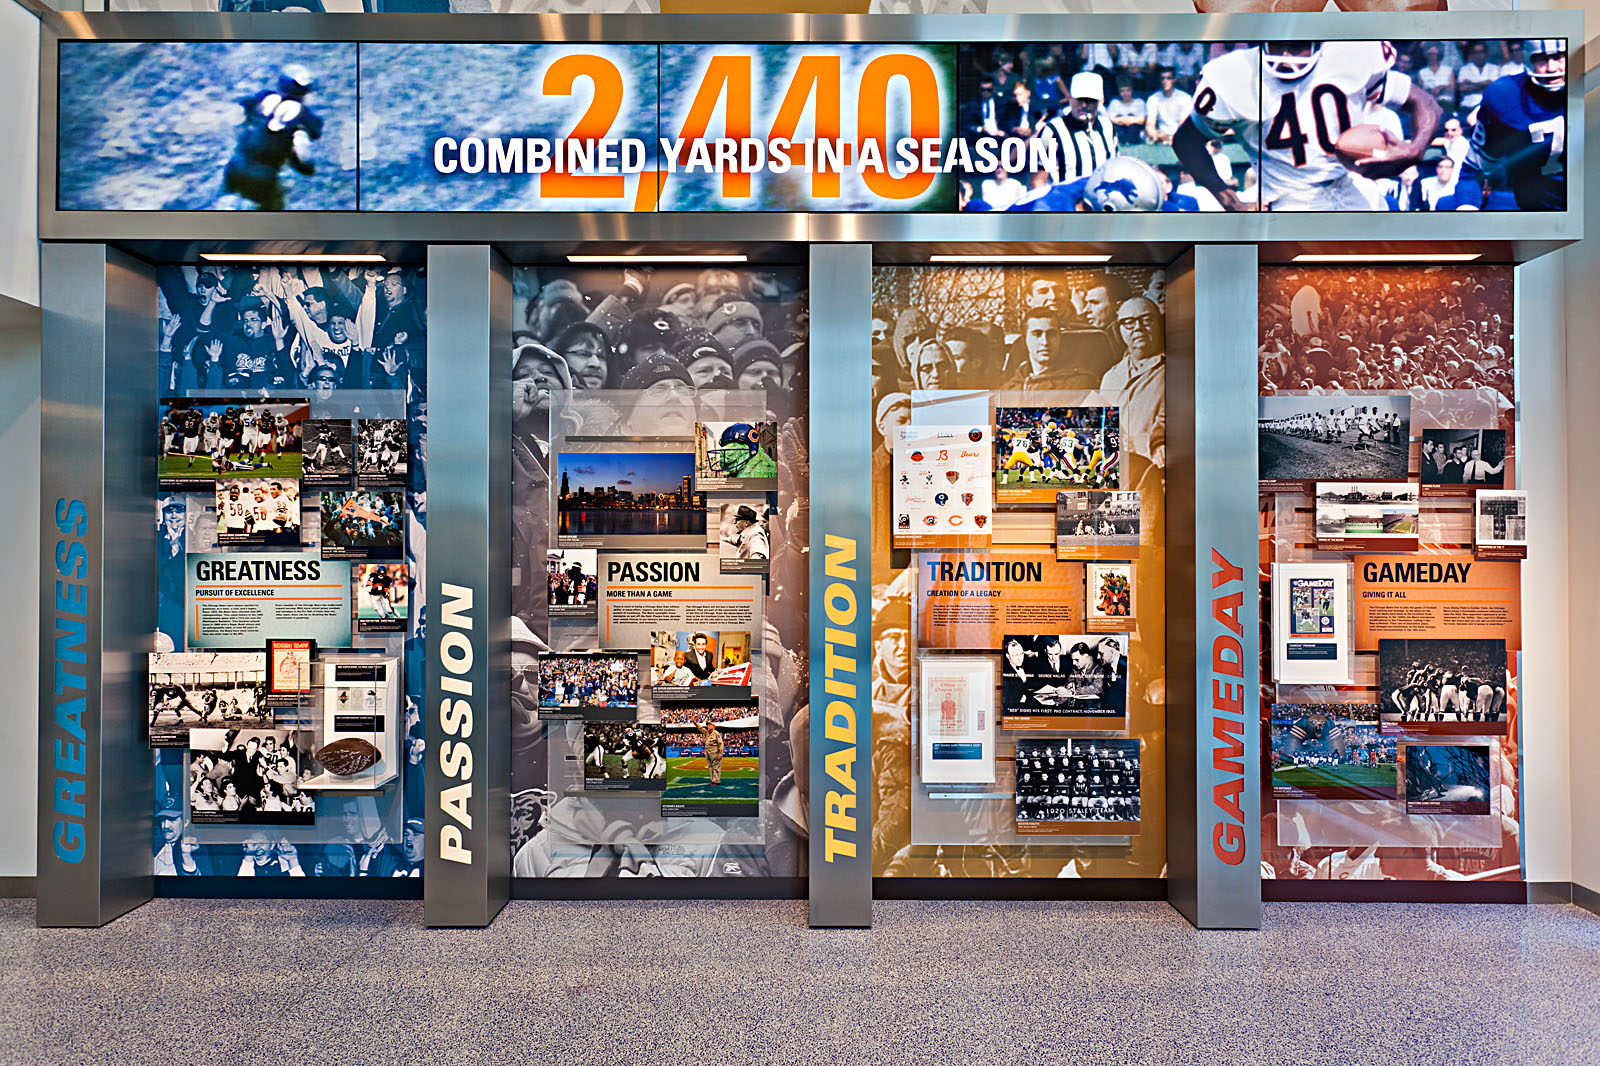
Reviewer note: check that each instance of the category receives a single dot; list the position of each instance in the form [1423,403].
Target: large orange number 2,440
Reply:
[818,78]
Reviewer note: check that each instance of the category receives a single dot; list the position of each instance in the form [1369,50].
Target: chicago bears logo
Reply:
[916,456]
[981,519]
[930,520]
[951,476]
[903,522]
[966,498]
[942,498]
[955,520]
[974,435]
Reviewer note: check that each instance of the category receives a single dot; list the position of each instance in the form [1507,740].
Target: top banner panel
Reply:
[1309,126]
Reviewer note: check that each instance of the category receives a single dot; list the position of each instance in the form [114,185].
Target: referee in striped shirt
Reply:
[1083,136]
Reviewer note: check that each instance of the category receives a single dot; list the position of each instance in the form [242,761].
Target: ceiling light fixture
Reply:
[302,257]
[651,259]
[1388,257]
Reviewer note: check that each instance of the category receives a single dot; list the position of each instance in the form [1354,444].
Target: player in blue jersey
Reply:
[1518,160]
[276,125]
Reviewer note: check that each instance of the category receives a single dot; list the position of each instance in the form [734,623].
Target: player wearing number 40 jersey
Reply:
[1288,102]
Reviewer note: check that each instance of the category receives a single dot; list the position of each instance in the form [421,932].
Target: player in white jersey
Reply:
[247,425]
[234,511]
[281,508]
[1288,102]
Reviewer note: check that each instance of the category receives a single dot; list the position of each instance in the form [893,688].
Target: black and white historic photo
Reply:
[1087,522]
[191,689]
[1077,780]
[1352,437]
[250,777]
[329,459]
[744,533]
[1467,457]
[1063,675]
[381,453]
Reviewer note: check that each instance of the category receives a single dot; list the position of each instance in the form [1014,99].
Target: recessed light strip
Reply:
[269,257]
[1388,257]
[653,259]
[1019,258]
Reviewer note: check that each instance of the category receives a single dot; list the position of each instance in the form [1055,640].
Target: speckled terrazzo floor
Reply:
[714,983]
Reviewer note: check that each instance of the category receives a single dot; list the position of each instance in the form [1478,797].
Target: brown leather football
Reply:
[347,757]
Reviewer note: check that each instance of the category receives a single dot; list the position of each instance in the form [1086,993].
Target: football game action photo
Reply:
[1040,450]
[202,441]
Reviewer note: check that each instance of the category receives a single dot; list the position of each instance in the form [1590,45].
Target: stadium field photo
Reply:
[689,781]
[268,465]
[1382,776]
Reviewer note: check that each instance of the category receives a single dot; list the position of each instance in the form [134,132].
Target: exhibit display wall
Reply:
[1392,539]
[659,531]
[683,388]
[1018,549]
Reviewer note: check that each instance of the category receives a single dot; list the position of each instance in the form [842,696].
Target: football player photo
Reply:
[258,511]
[381,453]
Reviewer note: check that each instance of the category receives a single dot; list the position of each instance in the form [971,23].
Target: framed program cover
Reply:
[957,725]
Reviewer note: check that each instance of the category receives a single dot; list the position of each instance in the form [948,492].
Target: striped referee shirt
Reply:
[1079,152]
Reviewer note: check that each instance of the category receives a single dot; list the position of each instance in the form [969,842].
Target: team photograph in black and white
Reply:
[381,453]
[1078,780]
[193,689]
[250,776]
[1356,438]
[1428,684]
[329,453]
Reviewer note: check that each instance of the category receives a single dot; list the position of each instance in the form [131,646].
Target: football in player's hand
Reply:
[1359,144]
[348,757]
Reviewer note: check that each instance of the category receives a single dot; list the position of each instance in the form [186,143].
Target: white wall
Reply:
[1582,270]
[19,436]
[19,161]
[19,591]
[1542,468]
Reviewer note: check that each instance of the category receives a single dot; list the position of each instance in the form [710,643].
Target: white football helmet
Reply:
[1123,183]
[1550,48]
[1280,58]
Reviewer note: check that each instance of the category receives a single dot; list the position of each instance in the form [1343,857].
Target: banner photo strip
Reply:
[1345,125]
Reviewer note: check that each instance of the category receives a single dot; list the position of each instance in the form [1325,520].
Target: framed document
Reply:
[957,719]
